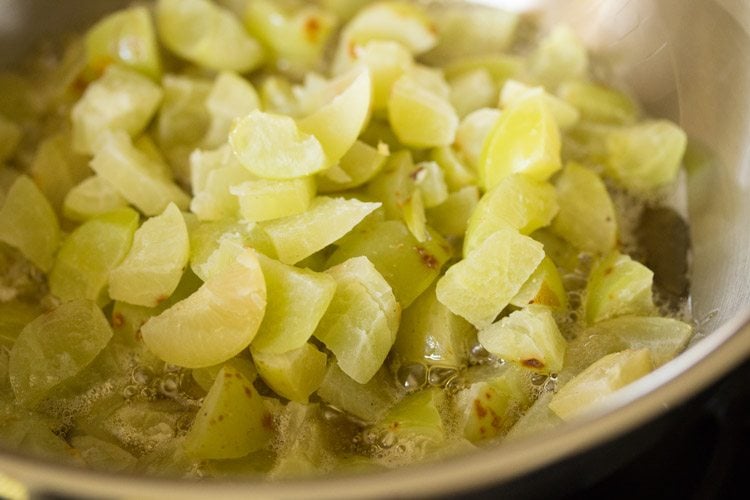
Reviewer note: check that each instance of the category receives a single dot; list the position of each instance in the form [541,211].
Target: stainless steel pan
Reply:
[688,60]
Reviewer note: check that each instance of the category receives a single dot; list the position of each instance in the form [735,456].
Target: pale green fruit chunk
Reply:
[153,267]
[121,100]
[297,299]
[265,199]
[529,337]
[14,316]
[368,402]
[472,91]
[304,444]
[103,455]
[55,347]
[128,171]
[565,114]
[258,138]
[544,288]
[429,333]
[493,402]
[338,123]
[203,162]
[451,218]
[407,265]
[395,184]
[538,418]
[618,286]
[525,140]
[293,374]
[598,103]
[10,136]
[501,67]
[231,97]
[295,38]
[206,34]
[456,173]
[125,37]
[414,216]
[401,22]
[591,388]
[86,257]
[328,219]
[479,287]
[361,322]
[467,32]
[516,202]
[90,198]
[430,181]
[183,121]
[232,421]
[56,169]
[472,134]
[215,200]
[205,377]
[560,56]
[358,166]
[587,215]
[214,323]
[28,223]
[419,117]
[646,156]
[663,337]
[387,61]
[414,422]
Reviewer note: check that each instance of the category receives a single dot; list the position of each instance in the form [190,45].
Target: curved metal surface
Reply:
[686,59]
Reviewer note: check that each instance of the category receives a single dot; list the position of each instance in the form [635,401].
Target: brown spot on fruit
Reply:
[118,320]
[427,258]
[267,421]
[248,392]
[160,299]
[312,29]
[480,410]
[532,363]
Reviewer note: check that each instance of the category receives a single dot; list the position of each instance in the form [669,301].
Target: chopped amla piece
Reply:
[231,97]
[153,267]
[398,21]
[472,134]
[598,103]
[451,217]
[273,147]
[647,155]
[525,140]
[214,323]
[618,286]
[328,219]
[565,114]
[560,56]
[294,37]
[28,223]
[205,377]
[419,117]
[480,286]
[56,168]
[91,197]
[358,166]
[430,334]
[529,337]
[368,402]
[207,34]
[267,199]
[361,323]
[55,347]
[125,37]
[387,61]
[457,174]
[121,100]
[544,288]
[414,422]
[663,337]
[587,216]
[407,265]
[297,299]
[293,374]
[493,402]
[232,421]
[472,90]
[213,200]
[88,255]
[338,122]
[516,202]
[126,169]
[591,388]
